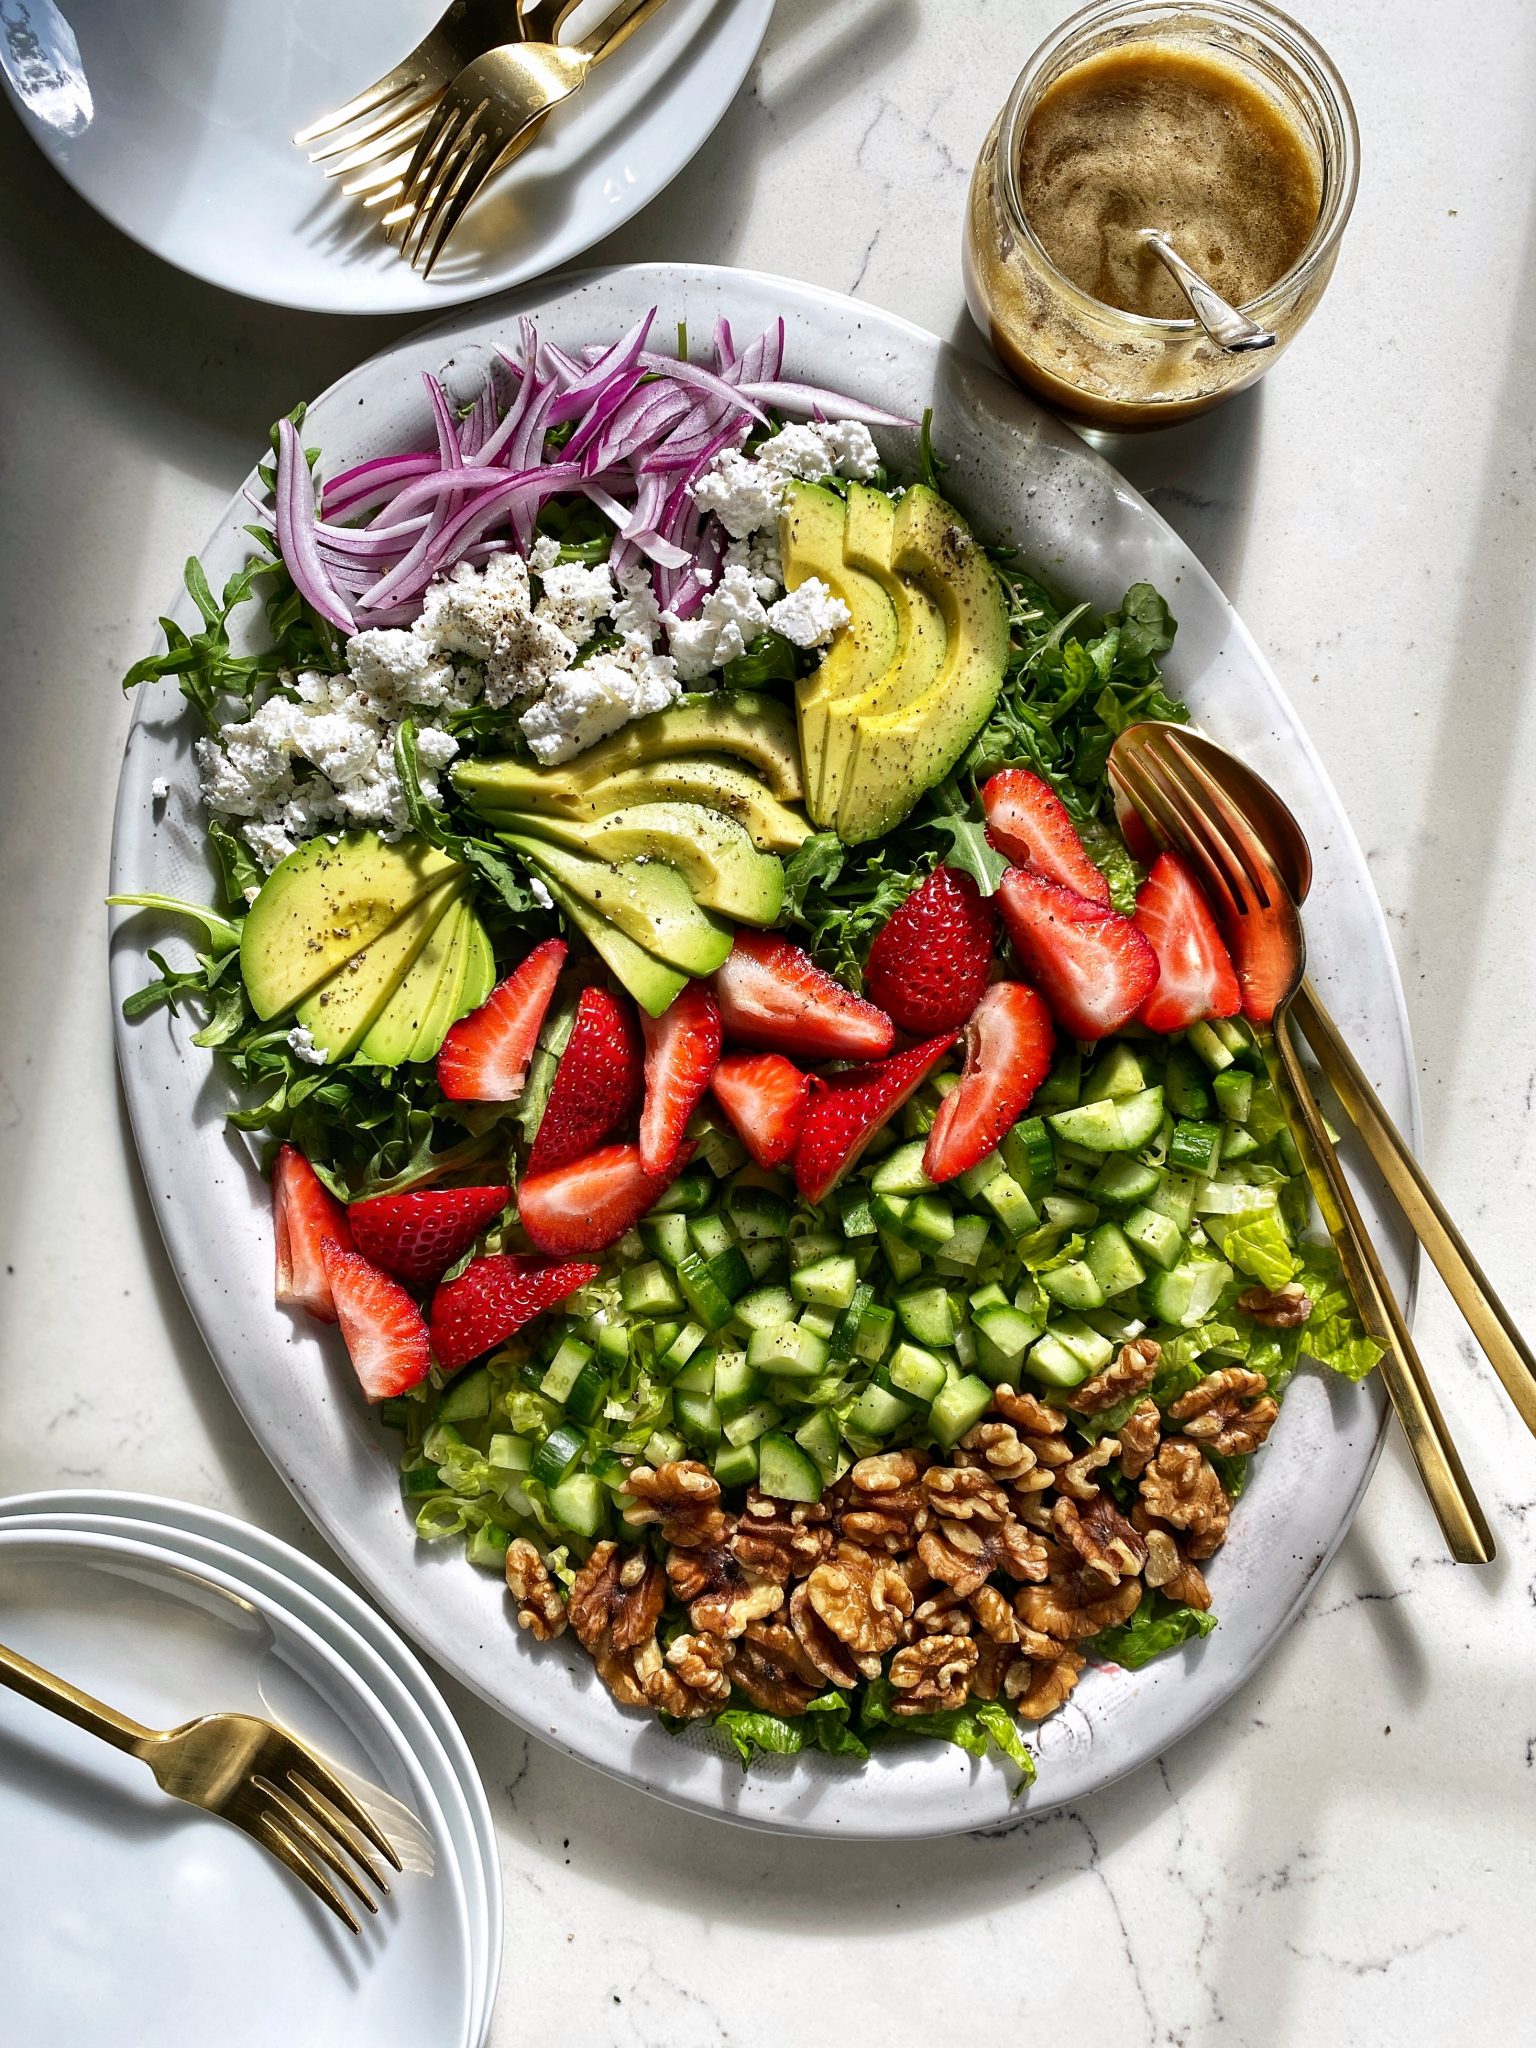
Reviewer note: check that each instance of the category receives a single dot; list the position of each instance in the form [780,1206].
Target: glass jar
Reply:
[1095,363]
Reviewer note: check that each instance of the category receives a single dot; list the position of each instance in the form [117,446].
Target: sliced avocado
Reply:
[713,853]
[756,732]
[479,971]
[408,1015]
[708,779]
[871,545]
[342,1011]
[904,749]
[326,902]
[654,985]
[448,999]
[811,535]
[647,900]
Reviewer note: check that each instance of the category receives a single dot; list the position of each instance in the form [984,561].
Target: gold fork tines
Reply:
[249,1772]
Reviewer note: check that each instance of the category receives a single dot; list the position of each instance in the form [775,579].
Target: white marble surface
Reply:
[1346,1855]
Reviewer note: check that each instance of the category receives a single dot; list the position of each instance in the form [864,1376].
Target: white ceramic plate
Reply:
[360,1638]
[130,1916]
[176,123]
[1024,478]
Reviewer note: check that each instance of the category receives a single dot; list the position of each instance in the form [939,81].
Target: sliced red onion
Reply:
[614,362]
[294,496]
[360,489]
[805,400]
[706,380]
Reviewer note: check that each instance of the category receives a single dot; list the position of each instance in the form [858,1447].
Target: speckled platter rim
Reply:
[1024,478]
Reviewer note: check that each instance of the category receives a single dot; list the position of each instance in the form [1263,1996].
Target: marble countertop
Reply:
[1347,1853]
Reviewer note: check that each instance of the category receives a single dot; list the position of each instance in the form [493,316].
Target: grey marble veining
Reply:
[1347,1853]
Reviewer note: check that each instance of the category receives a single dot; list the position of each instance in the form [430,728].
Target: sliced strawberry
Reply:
[385,1335]
[1195,977]
[1028,821]
[597,1082]
[587,1206]
[930,960]
[1264,955]
[1092,965]
[773,995]
[418,1236]
[764,1095]
[1008,1046]
[304,1214]
[485,1056]
[495,1296]
[682,1047]
[846,1110]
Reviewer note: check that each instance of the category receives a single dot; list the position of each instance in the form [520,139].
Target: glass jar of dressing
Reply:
[1222,123]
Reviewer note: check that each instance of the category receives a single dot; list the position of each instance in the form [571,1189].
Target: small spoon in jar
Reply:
[1228,328]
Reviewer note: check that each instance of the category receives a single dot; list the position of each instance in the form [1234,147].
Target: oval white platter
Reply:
[1027,480]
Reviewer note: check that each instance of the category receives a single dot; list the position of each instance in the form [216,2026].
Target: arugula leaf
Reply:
[770,659]
[509,882]
[223,936]
[969,848]
[1157,1626]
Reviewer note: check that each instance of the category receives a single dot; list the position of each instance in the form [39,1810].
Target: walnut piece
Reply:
[883,1505]
[682,1498]
[1072,1605]
[831,1656]
[964,1555]
[1179,1487]
[1167,1568]
[1077,1480]
[1231,1411]
[1131,1373]
[540,1609]
[1139,1435]
[773,1670]
[863,1599]
[617,1595]
[693,1680]
[1106,1546]
[998,1449]
[779,1539]
[1283,1308]
[1027,1412]
[617,1670]
[1039,1685]
[965,1493]
[932,1674]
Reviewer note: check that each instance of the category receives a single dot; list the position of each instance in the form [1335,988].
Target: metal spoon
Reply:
[1228,328]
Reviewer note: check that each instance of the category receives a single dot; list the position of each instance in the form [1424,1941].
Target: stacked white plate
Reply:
[128,1917]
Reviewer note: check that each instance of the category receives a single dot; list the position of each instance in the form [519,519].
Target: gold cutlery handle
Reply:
[21,1675]
[1489,1320]
[616,27]
[1450,1492]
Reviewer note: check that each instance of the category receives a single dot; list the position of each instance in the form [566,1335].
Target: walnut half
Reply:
[540,1609]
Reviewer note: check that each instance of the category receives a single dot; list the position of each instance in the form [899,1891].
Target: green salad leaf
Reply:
[824,1725]
[1254,1241]
[1157,1626]
[977,1727]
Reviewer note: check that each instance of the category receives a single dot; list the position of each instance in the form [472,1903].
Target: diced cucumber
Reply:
[1234,1095]
[698,1375]
[1094,1125]
[416,1480]
[612,1343]
[736,1384]
[901,1172]
[1069,1212]
[756,1212]
[702,1291]
[1195,1147]
[730,1272]
[816,1244]
[826,1282]
[762,1257]
[966,1242]
[735,1464]
[789,1350]
[930,1220]
[877,1414]
[975,1178]
[1083,1341]
[1155,1236]
[1075,1285]
[1053,1365]
[580,1504]
[510,1453]
[649,1290]
[697,1419]
[855,1211]
[891,1212]
[846,1331]
[1059,1089]
[1112,1262]
[1187,1292]
[1208,1044]
[711,1235]
[965,1347]
[1122,1182]
[927,1315]
[1075,1176]
[720,1150]
[1187,1084]
[584,1403]
[1008,1333]
[958,1407]
[877,1327]
[785,1470]
[664,1447]
[1237,1141]
[667,1237]
[565,1369]
[671,1359]
[903,1260]
[488,1545]
[1029,1154]
[821,1322]
[1175,1199]
[557,1454]
[688,1194]
[917,1372]
[1117,1071]
[396,1414]
[468,1398]
[746,1426]
[1010,1205]
[990,1296]
[765,1308]
[819,1439]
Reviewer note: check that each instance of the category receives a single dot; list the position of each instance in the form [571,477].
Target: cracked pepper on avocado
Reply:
[812,1207]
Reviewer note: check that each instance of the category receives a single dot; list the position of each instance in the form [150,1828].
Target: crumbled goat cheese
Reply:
[742,494]
[730,618]
[746,492]
[575,598]
[540,894]
[809,615]
[759,556]
[470,611]
[544,554]
[583,705]
[159,789]
[637,616]
[399,671]
[303,1047]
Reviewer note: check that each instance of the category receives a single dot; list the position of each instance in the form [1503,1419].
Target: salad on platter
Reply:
[814,1208]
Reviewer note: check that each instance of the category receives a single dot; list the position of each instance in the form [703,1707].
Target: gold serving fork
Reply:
[246,1771]
[486,117]
[1186,807]
[374,133]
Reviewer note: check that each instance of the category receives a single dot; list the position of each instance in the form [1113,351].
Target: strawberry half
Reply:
[1195,977]
[385,1335]
[418,1236]
[764,1095]
[1008,1045]
[1264,955]
[1092,965]
[930,960]
[682,1048]
[493,1297]
[485,1056]
[846,1110]
[304,1214]
[588,1206]
[596,1085]
[773,995]
[1028,821]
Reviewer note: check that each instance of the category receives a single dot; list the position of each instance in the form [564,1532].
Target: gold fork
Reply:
[246,1771]
[484,119]
[375,131]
